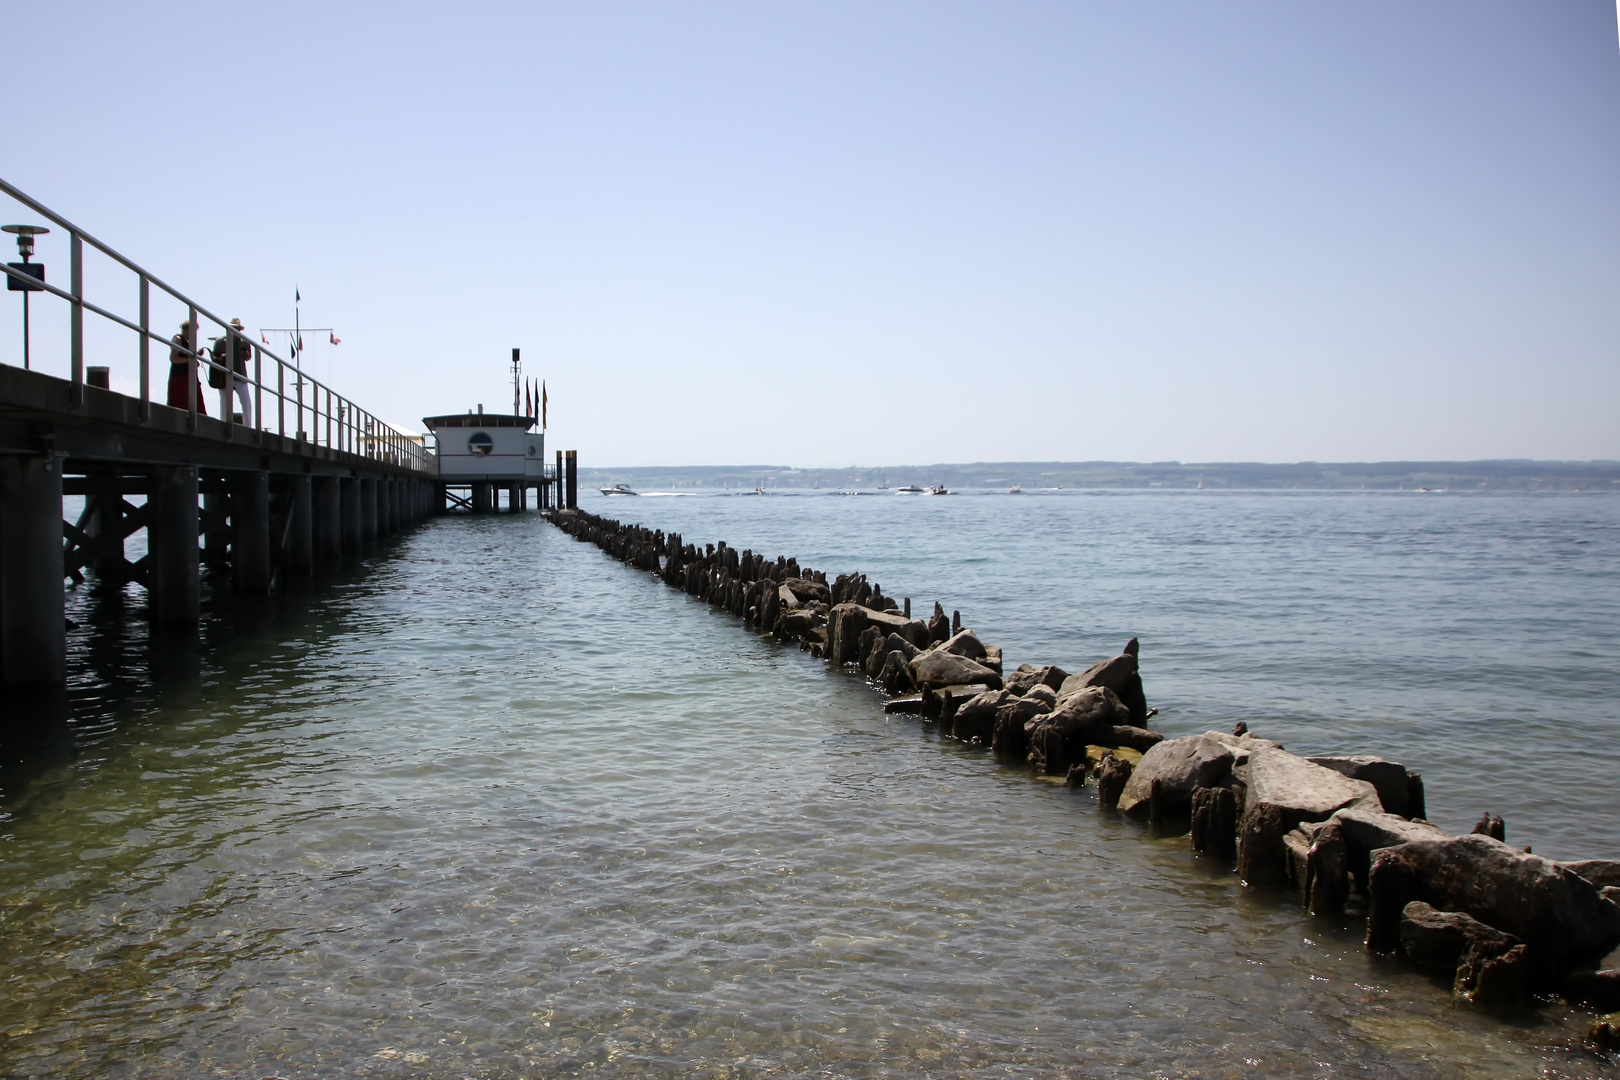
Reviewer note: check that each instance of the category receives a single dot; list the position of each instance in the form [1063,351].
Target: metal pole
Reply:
[146,350]
[76,331]
[191,371]
[281,399]
[25,330]
[258,388]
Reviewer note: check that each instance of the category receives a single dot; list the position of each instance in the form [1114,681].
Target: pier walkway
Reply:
[311,478]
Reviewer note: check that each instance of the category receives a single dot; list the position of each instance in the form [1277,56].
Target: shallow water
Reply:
[490,804]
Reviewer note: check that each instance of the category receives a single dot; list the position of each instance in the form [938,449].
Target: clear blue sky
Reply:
[831,234]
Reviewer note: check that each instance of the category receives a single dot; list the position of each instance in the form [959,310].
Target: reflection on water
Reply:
[493,805]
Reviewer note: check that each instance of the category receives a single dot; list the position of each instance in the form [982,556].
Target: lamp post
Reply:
[25,246]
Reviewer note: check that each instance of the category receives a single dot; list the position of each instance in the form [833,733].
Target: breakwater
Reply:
[1345,832]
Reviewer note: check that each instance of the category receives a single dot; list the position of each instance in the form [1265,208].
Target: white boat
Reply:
[1016,490]
[909,489]
[618,489]
[939,490]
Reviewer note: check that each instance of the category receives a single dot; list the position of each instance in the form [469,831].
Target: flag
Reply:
[296,297]
[528,401]
[334,338]
[543,400]
[263,338]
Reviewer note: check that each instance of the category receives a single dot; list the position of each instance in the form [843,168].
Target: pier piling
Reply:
[172,531]
[368,510]
[328,502]
[250,540]
[350,525]
[33,621]
[299,552]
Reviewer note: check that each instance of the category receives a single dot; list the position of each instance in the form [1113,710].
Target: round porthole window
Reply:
[531,451]
[480,444]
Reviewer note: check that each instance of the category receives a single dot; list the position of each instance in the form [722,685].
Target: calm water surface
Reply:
[490,804]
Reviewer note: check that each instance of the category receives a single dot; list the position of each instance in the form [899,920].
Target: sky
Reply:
[868,233]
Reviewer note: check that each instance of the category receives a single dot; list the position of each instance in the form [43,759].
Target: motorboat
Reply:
[618,489]
[909,489]
[938,490]
[1015,490]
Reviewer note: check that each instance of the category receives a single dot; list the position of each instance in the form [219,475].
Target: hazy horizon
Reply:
[1043,231]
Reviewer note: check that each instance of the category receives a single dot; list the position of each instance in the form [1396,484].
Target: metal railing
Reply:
[334,421]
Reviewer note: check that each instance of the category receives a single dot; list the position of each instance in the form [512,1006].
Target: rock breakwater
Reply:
[1345,834]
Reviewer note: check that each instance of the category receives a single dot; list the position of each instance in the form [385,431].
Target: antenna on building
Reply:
[516,367]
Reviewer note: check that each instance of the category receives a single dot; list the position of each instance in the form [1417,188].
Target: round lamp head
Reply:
[25,237]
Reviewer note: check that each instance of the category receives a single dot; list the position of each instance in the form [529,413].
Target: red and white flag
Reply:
[334,338]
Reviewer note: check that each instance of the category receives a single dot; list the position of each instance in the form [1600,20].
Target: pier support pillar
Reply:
[562,503]
[351,515]
[105,523]
[299,555]
[33,620]
[480,496]
[401,491]
[441,497]
[216,533]
[573,479]
[250,541]
[171,528]
[385,507]
[328,502]
[368,511]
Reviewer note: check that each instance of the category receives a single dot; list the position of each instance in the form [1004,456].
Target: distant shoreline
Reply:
[1497,475]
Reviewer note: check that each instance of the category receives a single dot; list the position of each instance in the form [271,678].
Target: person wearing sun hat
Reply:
[237,348]
[180,349]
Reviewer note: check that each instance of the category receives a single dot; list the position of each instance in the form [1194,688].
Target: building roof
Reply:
[472,420]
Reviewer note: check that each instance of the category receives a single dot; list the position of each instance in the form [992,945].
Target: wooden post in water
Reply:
[562,503]
[250,540]
[33,623]
[351,515]
[328,520]
[298,555]
[573,479]
[368,510]
[171,528]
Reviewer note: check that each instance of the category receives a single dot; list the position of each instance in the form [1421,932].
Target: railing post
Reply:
[146,350]
[191,370]
[76,324]
[258,389]
[229,396]
[281,399]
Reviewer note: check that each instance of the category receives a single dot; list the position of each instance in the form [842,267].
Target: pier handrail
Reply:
[347,427]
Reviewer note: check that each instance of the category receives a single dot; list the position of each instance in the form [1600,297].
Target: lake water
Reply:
[488,803]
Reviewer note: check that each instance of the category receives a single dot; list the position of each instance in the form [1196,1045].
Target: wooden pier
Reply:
[313,479]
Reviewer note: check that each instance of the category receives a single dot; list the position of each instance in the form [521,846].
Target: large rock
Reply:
[896,674]
[1366,830]
[975,721]
[1014,714]
[1435,940]
[1386,777]
[965,644]
[1178,767]
[936,668]
[1089,716]
[1026,678]
[1119,674]
[1139,739]
[804,590]
[845,624]
[1281,791]
[1560,916]
[1214,821]
[1243,745]
[1600,872]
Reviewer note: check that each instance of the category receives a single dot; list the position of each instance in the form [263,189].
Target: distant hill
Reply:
[1509,475]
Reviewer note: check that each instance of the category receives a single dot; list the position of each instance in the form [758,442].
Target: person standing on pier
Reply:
[237,348]
[180,351]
